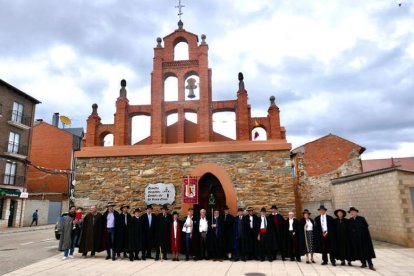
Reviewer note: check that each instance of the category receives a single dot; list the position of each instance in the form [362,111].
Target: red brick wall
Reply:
[51,148]
[327,154]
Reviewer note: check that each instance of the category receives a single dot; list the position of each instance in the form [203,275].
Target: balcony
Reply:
[16,151]
[18,120]
[11,180]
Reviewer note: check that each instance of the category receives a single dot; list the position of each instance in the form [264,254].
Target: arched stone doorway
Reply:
[209,185]
[210,170]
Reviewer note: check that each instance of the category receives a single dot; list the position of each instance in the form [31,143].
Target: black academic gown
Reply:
[239,237]
[361,246]
[267,242]
[149,232]
[250,242]
[278,225]
[215,238]
[330,223]
[91,234]
[342,239]
[121,232]
[136,234]
[228,233]
[163,231]
[292,241]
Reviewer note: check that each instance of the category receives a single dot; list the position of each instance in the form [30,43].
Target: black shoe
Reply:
[324,263]
[363,266]
[313,261]
[107,257]
[298,260]
[292,259]
[262,260]
[334,264]
[143,258]
[349,263]
[235,259]
[157,258]
[343,263]
[187,259]
[283,259]
[372,268]
[307,262]
[113,258]
[125,255]
[131,259]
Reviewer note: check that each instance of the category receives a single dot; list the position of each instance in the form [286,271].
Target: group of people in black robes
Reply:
[220,236]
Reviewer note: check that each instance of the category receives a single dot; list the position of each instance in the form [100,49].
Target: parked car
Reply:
[58,225]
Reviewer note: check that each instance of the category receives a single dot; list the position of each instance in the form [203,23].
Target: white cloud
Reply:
[334,66]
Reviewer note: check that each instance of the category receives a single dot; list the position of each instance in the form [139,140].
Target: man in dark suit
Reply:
[163,233]
[109,218]
[360,239]
[228,233]
[121,234]
[325,239]
[215,237]
[251,228]
[239,233]
[292,237]
[149,223]
[265,236]
[278,223]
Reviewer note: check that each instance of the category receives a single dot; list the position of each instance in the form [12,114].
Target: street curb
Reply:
[27,229]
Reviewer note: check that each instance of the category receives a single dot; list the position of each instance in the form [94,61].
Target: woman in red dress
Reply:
[175,237]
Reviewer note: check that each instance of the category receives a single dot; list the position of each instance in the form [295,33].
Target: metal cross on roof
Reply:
[179,7]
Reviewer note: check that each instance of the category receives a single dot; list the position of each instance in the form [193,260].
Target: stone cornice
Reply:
[188,148]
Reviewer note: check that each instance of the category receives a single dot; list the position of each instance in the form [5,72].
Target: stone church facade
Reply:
[243,172]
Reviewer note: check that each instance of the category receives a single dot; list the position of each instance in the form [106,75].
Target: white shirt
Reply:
[203,227]
[323,223]
[263,224]
[291,224]
[110,220]
[251,221]
[175,229]
[309,225]
[188,225]
[149,219]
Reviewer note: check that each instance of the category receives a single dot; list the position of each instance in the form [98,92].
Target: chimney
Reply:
[55,119]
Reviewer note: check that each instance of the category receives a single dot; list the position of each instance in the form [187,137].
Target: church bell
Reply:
[191,85]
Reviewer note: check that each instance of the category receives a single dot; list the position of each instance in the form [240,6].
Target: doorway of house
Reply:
[209,185]
[12,210]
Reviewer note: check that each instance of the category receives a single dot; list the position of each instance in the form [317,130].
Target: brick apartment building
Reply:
[52,148]
[17,111]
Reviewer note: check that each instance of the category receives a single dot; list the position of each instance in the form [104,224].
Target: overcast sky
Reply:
[342,67]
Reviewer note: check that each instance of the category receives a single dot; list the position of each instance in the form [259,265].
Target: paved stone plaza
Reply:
[391,260]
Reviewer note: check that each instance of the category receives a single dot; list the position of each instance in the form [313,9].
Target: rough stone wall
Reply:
[384,200]
[259,178]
